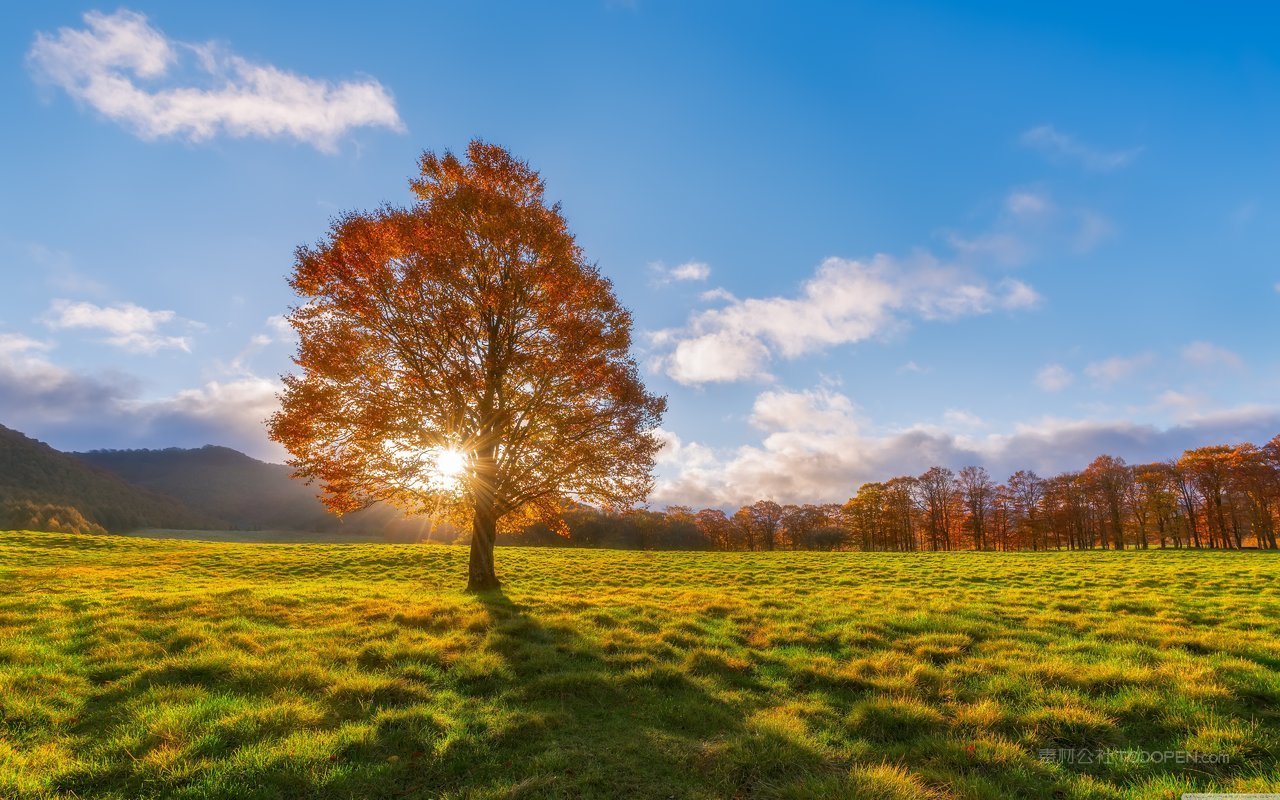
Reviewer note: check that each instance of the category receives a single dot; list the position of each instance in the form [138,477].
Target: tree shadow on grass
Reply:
[535,707]
[557,715]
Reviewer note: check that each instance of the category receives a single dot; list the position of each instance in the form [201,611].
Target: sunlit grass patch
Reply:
[153,668]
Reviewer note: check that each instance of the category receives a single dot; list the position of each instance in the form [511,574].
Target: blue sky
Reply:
[858,239]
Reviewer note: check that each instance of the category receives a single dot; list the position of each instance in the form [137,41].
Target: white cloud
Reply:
[281,330]
[717,295]
[130,72]
[815,448]
[1117,368]
[1204,354]
[1054,378]
[81,411]
[14,344]
[1017,295]
[688,271]
[1058,146]
[129,327]
[844,302]
[718,357]
[960,418]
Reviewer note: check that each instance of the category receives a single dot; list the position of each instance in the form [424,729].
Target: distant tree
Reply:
[1257,485]
[766,517]
[900,512]
[800,521]
[978,494]
[1154,503]
[866,517]
[715,528]
[1026,496]
[461,357]
[937,495]
[744,529]
[1109,477]
[1208,469]
[827,538]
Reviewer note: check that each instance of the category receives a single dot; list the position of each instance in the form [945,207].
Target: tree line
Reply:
[1219,497]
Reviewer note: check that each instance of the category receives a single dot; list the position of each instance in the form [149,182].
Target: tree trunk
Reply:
[481,576]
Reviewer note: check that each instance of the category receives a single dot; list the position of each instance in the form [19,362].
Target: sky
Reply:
[858,239]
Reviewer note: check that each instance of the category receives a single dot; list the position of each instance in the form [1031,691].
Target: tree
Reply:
[979,494]
[743,528]
[1026,494]
[461,358]
[1209,468]
[937,494]
[1109,477]
[715,528]
[766,517]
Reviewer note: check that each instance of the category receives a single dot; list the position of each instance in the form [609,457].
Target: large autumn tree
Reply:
[461,358]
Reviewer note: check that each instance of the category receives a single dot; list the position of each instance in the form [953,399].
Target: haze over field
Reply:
[858,242]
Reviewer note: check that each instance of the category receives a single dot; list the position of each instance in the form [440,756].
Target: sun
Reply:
[432,469]
[449,465]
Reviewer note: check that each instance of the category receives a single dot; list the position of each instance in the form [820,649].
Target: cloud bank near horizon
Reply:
[814,446]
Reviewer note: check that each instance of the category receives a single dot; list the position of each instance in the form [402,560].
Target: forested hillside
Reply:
[248,493]
[46,489]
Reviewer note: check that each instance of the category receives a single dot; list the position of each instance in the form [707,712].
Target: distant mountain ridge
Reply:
[221,482]
[249,494]
[205,488]
[39,484]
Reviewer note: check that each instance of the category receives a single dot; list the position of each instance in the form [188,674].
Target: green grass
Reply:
[160,668]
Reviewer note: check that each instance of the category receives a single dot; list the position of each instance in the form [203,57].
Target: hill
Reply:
[153,668]
[222,482]
[248,493]
[40,485]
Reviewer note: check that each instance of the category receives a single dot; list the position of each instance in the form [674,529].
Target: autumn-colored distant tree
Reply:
[766,516]
[900,512]
[1255,482]
[864,514]
[937,494]
[715,528]
[1026,494]
[1209,470]
[744,529]
[978,494]
[460,357]
[1109,478]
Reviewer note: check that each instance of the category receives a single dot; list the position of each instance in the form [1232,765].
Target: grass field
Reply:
[161,668]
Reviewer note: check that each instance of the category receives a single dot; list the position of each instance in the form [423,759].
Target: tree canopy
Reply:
[460,357]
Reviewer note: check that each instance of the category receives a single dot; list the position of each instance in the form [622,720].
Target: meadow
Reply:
[141,668]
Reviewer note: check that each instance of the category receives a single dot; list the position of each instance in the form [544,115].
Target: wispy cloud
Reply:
[128,326]
[130,72]
[1205,354]
[1028,203]
[844,302]
[1061,146]
[1054,378]
[1117,368]
[688,271]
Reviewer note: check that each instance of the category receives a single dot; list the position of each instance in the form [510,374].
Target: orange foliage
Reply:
[470,324]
